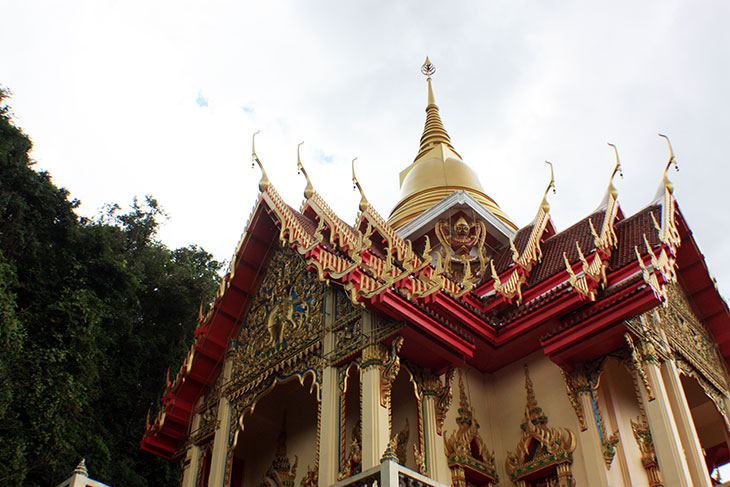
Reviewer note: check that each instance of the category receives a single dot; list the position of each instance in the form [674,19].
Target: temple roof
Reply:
[567,293]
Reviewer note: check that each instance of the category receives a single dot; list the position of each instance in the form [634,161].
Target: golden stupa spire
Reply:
[437,171]
[434,131]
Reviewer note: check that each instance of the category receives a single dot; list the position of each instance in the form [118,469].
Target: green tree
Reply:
[92,312]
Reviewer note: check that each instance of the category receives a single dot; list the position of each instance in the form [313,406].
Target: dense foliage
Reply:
[92,312]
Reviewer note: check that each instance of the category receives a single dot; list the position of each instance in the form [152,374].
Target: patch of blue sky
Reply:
[326,158]
[201,100]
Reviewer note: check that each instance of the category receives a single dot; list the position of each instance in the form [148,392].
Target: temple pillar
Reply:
[378,369]
[685,425]
[582,388]
[329,409]
[192,458]
[434,399]
[433,441]
[667,442]
[219,459]
[590,443]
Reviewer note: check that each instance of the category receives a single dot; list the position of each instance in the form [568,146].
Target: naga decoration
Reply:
[509,284]
[399,442]
[594,266]
[644,440]
[429,385]
[281,473]
[353,463]
[388,361]
[542,452]
[469,459]
[642,353]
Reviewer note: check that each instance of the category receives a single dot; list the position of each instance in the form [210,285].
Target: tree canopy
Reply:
[92,312]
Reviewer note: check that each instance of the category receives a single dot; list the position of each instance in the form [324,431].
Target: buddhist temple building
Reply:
[444,344]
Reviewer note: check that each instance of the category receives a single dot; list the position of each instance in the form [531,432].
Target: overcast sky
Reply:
[123,99]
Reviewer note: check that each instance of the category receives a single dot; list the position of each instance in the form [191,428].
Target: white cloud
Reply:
[106,91]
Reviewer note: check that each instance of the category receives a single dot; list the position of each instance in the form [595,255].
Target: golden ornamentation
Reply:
[668,231]
[650,277]
[459,239]
[690,339]
[576,382]
[428,384]
[716,396]
[511,287]
[353,463]
[399,442]
[311,478]
[542,451]
[208,411]
[642,434]
[387,361]
[281,473]
[264,183]
[644,353]
[585,380]
[285,320]
[467,454]
[579,284]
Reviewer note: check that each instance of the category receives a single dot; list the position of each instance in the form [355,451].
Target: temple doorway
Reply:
[278,443]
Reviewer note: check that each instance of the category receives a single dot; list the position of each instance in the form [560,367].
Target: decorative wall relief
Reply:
[281,473]
[281,335]
[585,380]
[353,463]
[542,453]
[463,251]
[469,459]
[642,434]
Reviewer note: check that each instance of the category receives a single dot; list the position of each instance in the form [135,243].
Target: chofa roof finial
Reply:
[264,183]
[355,184]
[665,180]
[616,169]
[309,190]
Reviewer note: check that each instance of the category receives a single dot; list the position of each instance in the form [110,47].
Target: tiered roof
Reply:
[567,293]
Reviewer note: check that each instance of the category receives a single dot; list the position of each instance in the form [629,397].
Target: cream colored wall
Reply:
[257,443]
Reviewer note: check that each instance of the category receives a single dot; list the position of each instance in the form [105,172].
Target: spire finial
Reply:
[355,184]
[616,169]
[264,183]
[309,190]
[81,468]
[434,132]
[545,205]
[428,69]
[665,180]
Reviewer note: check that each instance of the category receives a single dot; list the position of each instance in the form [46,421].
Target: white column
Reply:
[632,470]
[190,470]
[329,440]
[664,432]
[437,464]
[590,444]
[374,416]
[220,441]
[685,425]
